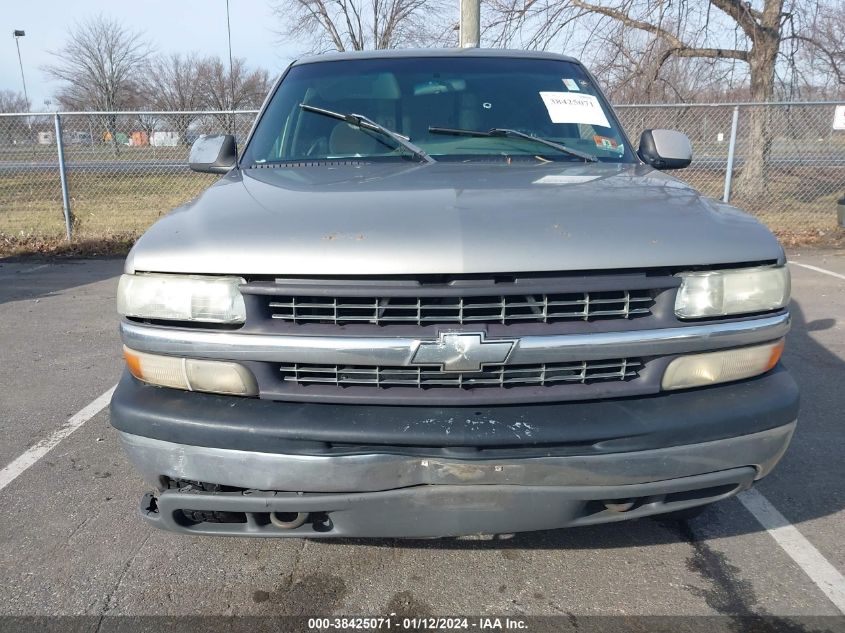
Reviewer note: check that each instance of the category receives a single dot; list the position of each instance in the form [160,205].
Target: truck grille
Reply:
[502,376]
[459,310]
[497,306]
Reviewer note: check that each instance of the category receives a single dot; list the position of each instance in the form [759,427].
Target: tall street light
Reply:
[17,34]
[231,76]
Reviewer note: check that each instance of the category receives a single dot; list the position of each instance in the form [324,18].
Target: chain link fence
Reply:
[788,163]
[125,170]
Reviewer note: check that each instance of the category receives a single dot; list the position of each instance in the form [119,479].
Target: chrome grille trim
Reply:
[460,310]
[372,350]
[501,376]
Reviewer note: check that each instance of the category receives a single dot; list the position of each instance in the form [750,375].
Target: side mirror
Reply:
[665,149]
[214,154]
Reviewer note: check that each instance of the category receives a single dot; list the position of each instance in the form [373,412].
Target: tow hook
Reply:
[619,505]
[288,520]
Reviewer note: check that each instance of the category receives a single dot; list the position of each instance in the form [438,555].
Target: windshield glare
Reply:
[551,99]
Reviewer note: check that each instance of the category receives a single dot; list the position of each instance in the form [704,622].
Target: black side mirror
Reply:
[665,149]
[214,154]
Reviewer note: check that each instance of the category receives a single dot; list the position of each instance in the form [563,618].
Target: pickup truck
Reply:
[439,293]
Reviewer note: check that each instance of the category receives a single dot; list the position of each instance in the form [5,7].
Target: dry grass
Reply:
[111,210]
[800,190]
[799,205]
[59,247]
[77,153]
[103,205]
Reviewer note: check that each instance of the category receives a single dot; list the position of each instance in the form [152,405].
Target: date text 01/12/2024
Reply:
[418,623]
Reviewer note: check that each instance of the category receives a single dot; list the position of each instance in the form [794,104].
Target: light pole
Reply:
[17,34]
[470,29]
[231,75]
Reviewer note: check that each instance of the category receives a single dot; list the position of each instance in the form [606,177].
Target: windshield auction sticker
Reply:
[565,107]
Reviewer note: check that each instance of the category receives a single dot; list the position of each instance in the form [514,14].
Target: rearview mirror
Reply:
[665,149]
[214,154]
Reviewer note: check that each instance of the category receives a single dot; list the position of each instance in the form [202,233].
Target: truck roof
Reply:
[432,52]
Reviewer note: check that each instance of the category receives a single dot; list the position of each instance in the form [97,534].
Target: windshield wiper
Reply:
[364,123]
[498,131]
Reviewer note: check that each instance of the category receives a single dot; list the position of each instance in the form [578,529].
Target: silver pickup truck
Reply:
[439,293]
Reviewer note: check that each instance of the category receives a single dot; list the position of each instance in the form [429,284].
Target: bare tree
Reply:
[354,25]
[724,33]
[531,24]
[242,89]
[762,32]
[101,67]
[13,128]
[11,101]
[632,68]
[819,63]
[175,83]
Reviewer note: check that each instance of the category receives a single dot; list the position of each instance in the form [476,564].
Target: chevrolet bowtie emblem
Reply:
[462,351]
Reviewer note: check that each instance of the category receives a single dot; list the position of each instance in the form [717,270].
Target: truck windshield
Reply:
[419,97]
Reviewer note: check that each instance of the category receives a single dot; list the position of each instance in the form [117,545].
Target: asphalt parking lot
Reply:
[72,544]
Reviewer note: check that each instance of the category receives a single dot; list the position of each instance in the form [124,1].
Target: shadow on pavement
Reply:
[23,280]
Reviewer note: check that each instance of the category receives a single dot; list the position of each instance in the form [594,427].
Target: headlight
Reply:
[739,291]
[697,370]
[191,374]
[181,298]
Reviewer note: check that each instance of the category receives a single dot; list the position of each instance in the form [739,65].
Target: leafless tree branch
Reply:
[344,25]
[100,66]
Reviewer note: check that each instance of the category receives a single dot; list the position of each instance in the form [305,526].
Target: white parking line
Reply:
[31,456]
[799,549]
[819,270]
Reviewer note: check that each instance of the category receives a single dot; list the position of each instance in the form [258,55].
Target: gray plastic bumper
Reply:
[404,496]
[432,511]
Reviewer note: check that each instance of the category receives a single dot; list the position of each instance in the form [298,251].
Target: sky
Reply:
[171,25]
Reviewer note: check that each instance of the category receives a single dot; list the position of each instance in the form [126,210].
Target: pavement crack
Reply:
[77,527]
[107,606]
[294,568]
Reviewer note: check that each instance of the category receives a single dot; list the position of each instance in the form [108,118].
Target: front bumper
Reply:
[440,510]
[378,472]
[386,471]
[458,498]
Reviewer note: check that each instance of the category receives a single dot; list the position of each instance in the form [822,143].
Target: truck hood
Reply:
[448,218]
